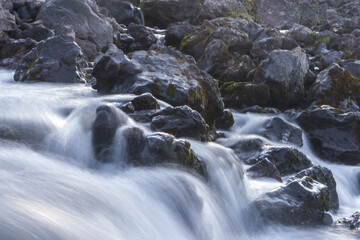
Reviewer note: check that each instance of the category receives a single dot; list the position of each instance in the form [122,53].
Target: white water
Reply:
[52,188]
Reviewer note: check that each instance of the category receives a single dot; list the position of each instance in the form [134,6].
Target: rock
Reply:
[143,37]
[214,9]
[353,67]
[106,123]
[253,30]
[124,12]
[322,175]
[166,74]
[276,13]
[7,21]
[176,32]
[161,14]
[13,51]
[330,58]
[333,86]
[264,168]
[238,72]
[264,45]
[243,94]
[226,121]
[145,101]
[53,60]
[258,109]
[284,71]
[287,160]
[215,58]
[38,33]
[302,35]
[247,148]
[352,222]
[300,202]
[333,134]
[82,15]
[309,14]
[181,122]
[161,149]
[278,130]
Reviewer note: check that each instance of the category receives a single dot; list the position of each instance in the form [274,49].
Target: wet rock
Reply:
[105,125]
[247,148]
[215,58]
[82,15]
[145,101]
[143,37]
[284,71]
[226,121]
[334,134]
[333,86]
[181,122]
[176,32]
[243,94]
[324,176]
[238,72]
[166,74]
[124,12]
[278,130]
[352,222]
[300,202]
[302,35]
[264,168]
[258,109]
[13,51]
[135,143]
[287,160]
[276,13]
[53,60]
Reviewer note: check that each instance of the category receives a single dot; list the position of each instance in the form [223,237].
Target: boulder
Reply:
[239,70]
[278,130]
[55,59]
[334,135]
[143,37]
[247,148]
[13,51]
[124,12]
[353,66]
[180,121]
[302,35]
[226,121]
[176,32]
[82,15]
[302,201]
[244,94]
[166,74]
[333,86]
[322,175]
[286,160]
[284,71]
[7,20]
[352,222]
[145,101]
[276,13]
[264,168]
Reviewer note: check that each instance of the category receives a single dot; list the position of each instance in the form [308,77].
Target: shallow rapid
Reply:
[52,187]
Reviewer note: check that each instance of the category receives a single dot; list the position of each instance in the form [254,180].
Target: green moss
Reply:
[325,199]
[171,90]
[156,89]
[238,14]
[293,157]
[349,56]
[192,40]
[32,71]
[325,39]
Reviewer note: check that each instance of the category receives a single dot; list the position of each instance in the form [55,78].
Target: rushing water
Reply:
[52,187]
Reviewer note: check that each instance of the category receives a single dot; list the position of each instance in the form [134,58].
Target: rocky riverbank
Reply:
[187,63]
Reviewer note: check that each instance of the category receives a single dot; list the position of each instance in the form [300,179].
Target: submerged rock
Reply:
[334,134]
[302,201]
[55,59]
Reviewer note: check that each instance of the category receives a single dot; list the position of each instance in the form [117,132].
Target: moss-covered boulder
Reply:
[244,94]
[334,134]
[164,72]
[337,87]
[55,59]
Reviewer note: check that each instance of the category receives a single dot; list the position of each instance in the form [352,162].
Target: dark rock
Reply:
[7,20]
[53,60]
[353,67]
[243,94]
[299,202]
[38,33]
[143,37]
[253,30]
[82,15]
[124,12]
[284,71]
[181,122]
[330,58]
[226,121]
[176,32]
[287,160]
[106,123]
[145,101]
[238,72]
[264,168]
[13,51]
[302,35]
[324,176]
[278,130]
[334,134]
[258,109]
[289,43]
[276,13]
[352,222]
[166,74]
[135,143]
[335,86]
[264,45]
[247,149]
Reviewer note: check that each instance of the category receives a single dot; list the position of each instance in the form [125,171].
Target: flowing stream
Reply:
[52,187]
